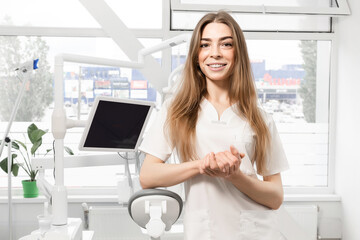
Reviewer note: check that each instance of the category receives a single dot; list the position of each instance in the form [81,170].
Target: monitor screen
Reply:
[115,124]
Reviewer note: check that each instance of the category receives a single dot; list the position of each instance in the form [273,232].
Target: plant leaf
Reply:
[6,144]
[15,169]
[47,151]
[35,146]
[32,127]
[15,145]
[68,150]
[35,134]
[4,163]
[21,143]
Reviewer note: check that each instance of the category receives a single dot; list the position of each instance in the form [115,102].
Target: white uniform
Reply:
[215,208]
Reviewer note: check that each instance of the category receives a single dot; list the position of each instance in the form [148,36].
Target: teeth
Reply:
[216,65]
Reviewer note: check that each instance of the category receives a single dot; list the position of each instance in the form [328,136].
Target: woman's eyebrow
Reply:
[226,37]
[221,39]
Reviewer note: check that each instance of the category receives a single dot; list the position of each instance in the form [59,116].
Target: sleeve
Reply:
[276,160]
[155,141]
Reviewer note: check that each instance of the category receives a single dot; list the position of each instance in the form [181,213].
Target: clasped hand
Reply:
[221,164]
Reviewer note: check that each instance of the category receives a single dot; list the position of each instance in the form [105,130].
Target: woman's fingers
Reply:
[222,162]
[228,160]
[210,173]
[212,162]
[234,150]
[233,162]
[207,164]
[236,153]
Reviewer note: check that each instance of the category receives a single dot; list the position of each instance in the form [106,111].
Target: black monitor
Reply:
[115,125]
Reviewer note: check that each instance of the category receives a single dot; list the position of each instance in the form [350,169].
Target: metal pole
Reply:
[79,95]
[58,128]
[9,165]
[17,103]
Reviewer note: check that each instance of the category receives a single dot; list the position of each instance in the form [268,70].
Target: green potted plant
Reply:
[20,150]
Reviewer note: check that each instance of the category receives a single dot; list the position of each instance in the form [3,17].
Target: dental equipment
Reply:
[155,210]
[86,215]
[109,129]
[172,80]
[126,40]
[24,72]
[9,162]
[60,123]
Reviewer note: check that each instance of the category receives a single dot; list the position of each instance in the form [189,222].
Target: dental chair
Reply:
[155,210]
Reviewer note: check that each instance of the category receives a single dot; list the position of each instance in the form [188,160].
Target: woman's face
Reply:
[216,54]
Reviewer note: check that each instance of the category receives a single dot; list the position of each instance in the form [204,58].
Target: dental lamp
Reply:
[155,210]
[23,73]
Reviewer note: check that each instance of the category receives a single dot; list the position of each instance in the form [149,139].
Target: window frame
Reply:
[164,33]
[341,9]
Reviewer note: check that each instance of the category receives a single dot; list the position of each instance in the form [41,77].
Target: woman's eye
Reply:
[227,44]
[204,45]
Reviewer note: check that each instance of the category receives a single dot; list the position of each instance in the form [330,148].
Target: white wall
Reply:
[348,120]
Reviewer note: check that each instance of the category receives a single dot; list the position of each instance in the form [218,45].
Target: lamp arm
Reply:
[169,43]
[175,72]
[25,76]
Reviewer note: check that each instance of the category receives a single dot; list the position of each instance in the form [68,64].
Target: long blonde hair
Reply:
[183,110]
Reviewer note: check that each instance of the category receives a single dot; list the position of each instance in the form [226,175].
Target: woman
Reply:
[220,135]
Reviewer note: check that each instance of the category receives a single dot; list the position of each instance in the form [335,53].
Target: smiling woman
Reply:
[220,134]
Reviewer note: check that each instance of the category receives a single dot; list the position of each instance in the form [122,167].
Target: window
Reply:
[277,46]
[292,78]
[182,20]
[94,81]
[25,13]
[277,15]
[303,7]
[68,13]
[302,3]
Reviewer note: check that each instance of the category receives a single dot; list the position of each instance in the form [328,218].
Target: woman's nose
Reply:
[215,51]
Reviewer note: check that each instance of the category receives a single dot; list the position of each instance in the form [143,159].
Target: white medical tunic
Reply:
[214,207]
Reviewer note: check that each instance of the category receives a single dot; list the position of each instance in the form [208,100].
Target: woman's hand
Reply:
[221,164]
[229,161]
[208,165]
